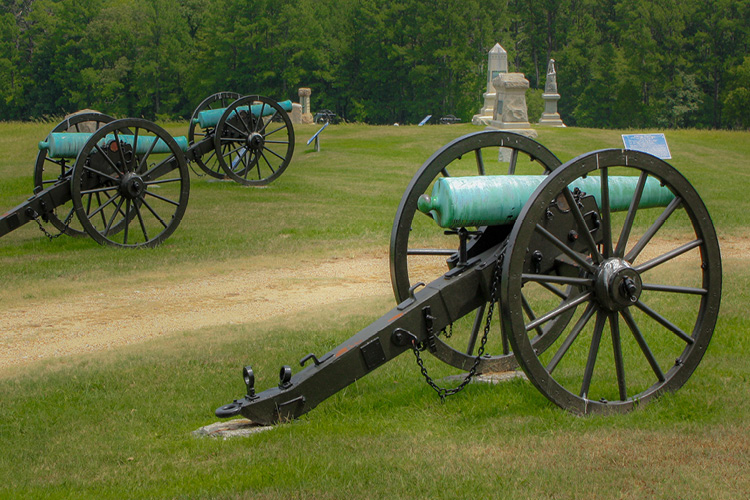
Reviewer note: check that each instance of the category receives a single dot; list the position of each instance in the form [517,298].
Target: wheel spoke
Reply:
[577,328]
[260,117]
[120,152]
[151,193]
[636,250]
[588,372]
[163,181]
[114,214]
[665,322]
[614,327]
[127,222]
[150,209]
[97,172]
[606,210]
[135,148]
[530,314]
[283,127]
[144,159]
[627,226]
[480,161]
[554,289]
[275,154]
[674,289]
[101,207]
[561,280]
[513,161]
[107,158]
[140,220]
[566,250]
[638,336]
[99,190]
[582,226]
[475,329]
[668,256]
[242,132]
[554,313]
[429,251]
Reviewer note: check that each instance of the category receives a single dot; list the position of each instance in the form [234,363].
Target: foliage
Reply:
[635,63]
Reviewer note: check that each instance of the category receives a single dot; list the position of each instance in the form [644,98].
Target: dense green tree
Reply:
[634,63]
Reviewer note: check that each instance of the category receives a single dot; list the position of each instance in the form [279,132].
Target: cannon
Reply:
[127,184]
[602,280]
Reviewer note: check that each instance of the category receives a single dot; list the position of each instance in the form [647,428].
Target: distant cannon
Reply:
[127,183]
[606,281]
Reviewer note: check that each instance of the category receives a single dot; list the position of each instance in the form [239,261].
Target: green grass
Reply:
[118,424]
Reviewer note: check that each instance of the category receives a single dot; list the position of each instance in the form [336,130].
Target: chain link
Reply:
[66,225]
[417,347]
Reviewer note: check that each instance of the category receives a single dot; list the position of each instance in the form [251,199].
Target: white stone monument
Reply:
[550,117]
[511,112]
[497,63]
[304,100]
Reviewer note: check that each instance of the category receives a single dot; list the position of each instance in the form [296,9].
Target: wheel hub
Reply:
[617,285]
[255,141]
[132,186]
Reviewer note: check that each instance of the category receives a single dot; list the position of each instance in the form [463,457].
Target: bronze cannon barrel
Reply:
[493,200]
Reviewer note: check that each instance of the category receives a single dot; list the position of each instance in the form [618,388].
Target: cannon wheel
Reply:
[659,322]
[254,151]
[48,171]
[209,164]
[130,200]
[413,232]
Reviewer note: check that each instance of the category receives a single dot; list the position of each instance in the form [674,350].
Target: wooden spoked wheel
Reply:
[209,163]
[49,171]
[130,184]
[420,251]
[648,285]
[253,148]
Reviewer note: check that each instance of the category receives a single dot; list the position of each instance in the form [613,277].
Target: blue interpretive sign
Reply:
[316,138]
[424,120]
[655,144]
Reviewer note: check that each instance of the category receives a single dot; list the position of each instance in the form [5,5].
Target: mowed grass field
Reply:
[118,423]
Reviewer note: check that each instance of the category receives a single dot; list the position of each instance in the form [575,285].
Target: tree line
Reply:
[620,63]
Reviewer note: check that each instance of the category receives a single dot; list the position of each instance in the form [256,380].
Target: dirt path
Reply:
[41,329]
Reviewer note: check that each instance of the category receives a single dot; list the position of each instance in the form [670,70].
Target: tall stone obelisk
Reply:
[550,117]
[497,63]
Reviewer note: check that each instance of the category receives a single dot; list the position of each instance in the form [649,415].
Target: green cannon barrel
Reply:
[211,117]
[69,144]
[493,200]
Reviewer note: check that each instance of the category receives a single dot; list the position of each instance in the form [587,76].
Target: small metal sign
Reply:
[424,120]
[316,138]
[655,144]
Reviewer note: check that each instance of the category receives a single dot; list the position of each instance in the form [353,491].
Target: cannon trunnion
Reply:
[607,296]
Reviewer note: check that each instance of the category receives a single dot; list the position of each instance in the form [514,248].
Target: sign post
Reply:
[316,138]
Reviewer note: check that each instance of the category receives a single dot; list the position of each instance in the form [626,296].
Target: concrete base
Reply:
[489,378]
[240,427]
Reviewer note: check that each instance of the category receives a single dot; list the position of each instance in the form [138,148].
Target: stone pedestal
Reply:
[511,112]
[296,114]
[304,100]
[550,117]
[497,63]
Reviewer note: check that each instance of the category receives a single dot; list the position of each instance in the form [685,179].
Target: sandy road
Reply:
[39,329]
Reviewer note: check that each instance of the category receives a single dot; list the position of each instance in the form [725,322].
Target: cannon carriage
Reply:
[601,279]
[127,183]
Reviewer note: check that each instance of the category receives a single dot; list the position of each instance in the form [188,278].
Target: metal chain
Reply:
[66,225]
[442,391]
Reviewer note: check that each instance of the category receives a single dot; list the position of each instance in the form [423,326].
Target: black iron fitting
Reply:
[429,320]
